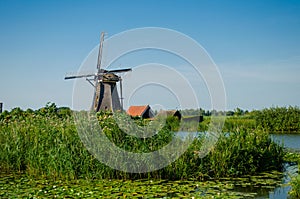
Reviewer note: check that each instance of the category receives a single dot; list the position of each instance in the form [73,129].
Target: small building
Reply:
[167,113]
[196,118]
[144,111]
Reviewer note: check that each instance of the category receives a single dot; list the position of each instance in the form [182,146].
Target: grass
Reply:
[231,124]
[45,144]
[244,152]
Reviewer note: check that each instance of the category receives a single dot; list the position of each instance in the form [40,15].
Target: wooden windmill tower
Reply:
[104,81]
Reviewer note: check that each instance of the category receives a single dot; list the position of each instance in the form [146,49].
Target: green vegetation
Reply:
[45,143]
[295,191]
[245,152]
[231,124]
[270,120]
[20,186]
[295,182]
[279,119]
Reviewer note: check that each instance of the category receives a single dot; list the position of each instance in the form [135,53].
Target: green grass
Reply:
[235,123]
[45,143]
[231,124]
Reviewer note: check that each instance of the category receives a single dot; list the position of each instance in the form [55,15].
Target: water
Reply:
[290,142]
[282,191]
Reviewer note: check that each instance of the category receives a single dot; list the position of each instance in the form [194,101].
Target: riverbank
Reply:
[262,185]
[43,146]
[46,143]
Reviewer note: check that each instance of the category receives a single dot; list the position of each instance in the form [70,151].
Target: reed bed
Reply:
[45,143]
[279,119]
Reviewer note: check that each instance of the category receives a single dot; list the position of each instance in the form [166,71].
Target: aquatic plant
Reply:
[245,152]
[22,186]
[295,179]
[45,143]
[295,190]
[278,119]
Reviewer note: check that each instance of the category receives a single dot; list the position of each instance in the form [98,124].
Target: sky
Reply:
[255,45]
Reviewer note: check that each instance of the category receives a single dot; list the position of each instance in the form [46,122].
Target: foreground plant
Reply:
[45,143]
[295,190]
[295,181]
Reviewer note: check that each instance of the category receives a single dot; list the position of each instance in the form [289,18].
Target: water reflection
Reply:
[290,169]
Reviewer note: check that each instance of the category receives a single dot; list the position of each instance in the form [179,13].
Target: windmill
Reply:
[104,81]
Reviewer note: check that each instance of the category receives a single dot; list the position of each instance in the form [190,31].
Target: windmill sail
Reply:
[119,70]
[100,52]
[73,76]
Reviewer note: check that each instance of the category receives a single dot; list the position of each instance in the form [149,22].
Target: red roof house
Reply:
[144,111]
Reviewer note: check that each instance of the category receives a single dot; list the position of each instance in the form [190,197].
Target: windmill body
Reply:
[106,96]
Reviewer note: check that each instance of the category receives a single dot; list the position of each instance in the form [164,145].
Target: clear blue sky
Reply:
[255,44]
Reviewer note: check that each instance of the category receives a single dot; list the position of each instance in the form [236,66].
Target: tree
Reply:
[238,112]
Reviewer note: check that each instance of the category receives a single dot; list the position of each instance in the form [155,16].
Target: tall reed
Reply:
[45,143]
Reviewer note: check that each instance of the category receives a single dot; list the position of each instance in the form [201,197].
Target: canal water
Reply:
[290,142]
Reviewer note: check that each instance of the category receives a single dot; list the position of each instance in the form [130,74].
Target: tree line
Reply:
[236,112]
[271,120]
